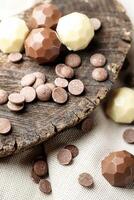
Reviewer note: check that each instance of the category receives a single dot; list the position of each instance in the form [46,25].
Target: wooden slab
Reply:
[40,121]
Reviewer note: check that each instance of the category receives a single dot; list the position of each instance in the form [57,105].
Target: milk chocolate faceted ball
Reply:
[42,45]
[118,168]
[45,15]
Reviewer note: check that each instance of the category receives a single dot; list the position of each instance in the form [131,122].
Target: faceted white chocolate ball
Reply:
[120,106]
[13,32]
[75,31]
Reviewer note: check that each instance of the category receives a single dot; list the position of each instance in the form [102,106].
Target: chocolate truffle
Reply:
[45,15]
[42,45]
[118,168]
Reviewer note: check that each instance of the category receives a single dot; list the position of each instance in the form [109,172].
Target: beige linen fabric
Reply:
[106,136]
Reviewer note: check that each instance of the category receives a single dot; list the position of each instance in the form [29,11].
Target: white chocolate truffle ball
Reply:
[13,32]
[120,106]
[75,31]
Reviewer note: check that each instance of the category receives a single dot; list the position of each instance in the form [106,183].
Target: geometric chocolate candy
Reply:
[13,32]
[42,45]
[75,31]
[120,106]
[44,15]
[118,168]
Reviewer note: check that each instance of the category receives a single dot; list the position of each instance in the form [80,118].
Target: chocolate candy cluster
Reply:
[42,44]
[48,30]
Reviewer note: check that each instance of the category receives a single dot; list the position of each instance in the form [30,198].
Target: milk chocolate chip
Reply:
[28,80]
[45,186]
[40,168]
[85,180]
[5,126]
[43,93]
[16,98]
[15,57]
[28,93]
[14,107]
[98,60]
[76,87]
[61,82]
[87,124]
[100,74]
[96,23]
[64,157]
[59,95]
[3,97]
[129,136]
[73,60]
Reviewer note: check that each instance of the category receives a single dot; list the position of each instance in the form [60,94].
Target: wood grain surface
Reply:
[40,121]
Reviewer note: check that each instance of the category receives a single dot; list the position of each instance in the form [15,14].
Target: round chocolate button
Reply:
[15,57]
[28,80]
[73,60]
[87,125]
[28,93]
[99,74]
[16,98]
[40,168]
[59,95]
[76,87]
[3,97]
[43,93]
[45,186]
[64,157]
[5,126]
[61,82]
[96,23]
[129,136]
[85,180]
[14,107]
[98,60]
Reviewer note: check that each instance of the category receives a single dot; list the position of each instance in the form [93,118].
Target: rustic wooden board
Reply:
[40,121]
